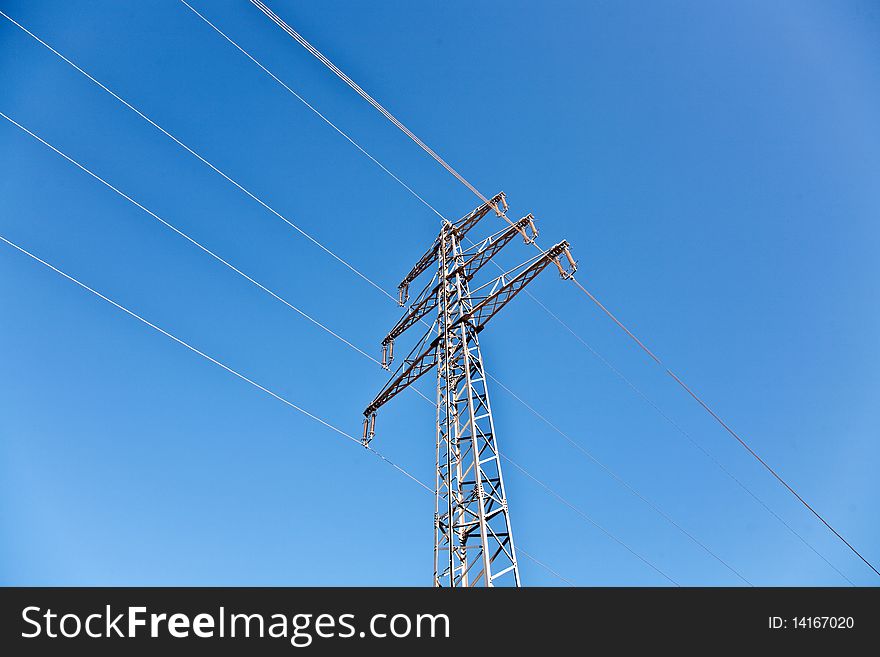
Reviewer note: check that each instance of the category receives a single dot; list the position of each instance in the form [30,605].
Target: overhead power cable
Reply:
[202,159]
[589,519]
[232,371]
[620,480]
[332,67]
[638,392]
[253,383]
[519,550]
[191,240]
[317,112]
[351,83]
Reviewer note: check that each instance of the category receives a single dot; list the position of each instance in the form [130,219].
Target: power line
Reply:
[202,159]
[117,97]
[356,87]
[580,512]
[620,480]
[770,469]
[297,37]
[433,154]
[287,221]
[317,112]
[226,263]
[230,266]
[190,239]
[222,261]
[420,198]
[397,123]
[544,566]
[199,245]
[181,342]
[726,427]
[214,255]
[637,391]
[351,83]
[589,519]
[250,381]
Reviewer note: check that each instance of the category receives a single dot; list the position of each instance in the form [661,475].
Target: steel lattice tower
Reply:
[473,541]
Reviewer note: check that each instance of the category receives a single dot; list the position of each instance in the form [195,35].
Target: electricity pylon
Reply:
[473,542]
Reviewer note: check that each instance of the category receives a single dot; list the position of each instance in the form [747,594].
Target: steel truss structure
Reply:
[473,541]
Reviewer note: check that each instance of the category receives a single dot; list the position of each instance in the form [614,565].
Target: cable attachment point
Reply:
[501,206]
[402,294]
[528,229]
[387,354]
[369,429]
[566,274]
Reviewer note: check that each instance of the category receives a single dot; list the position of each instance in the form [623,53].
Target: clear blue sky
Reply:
[714,166]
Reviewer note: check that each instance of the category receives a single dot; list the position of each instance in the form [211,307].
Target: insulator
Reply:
[402,294]
[529,231]
[365,440]
[572,264]
[501,206]
[569,273]
[384,357]
[390,352]
[562,273]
